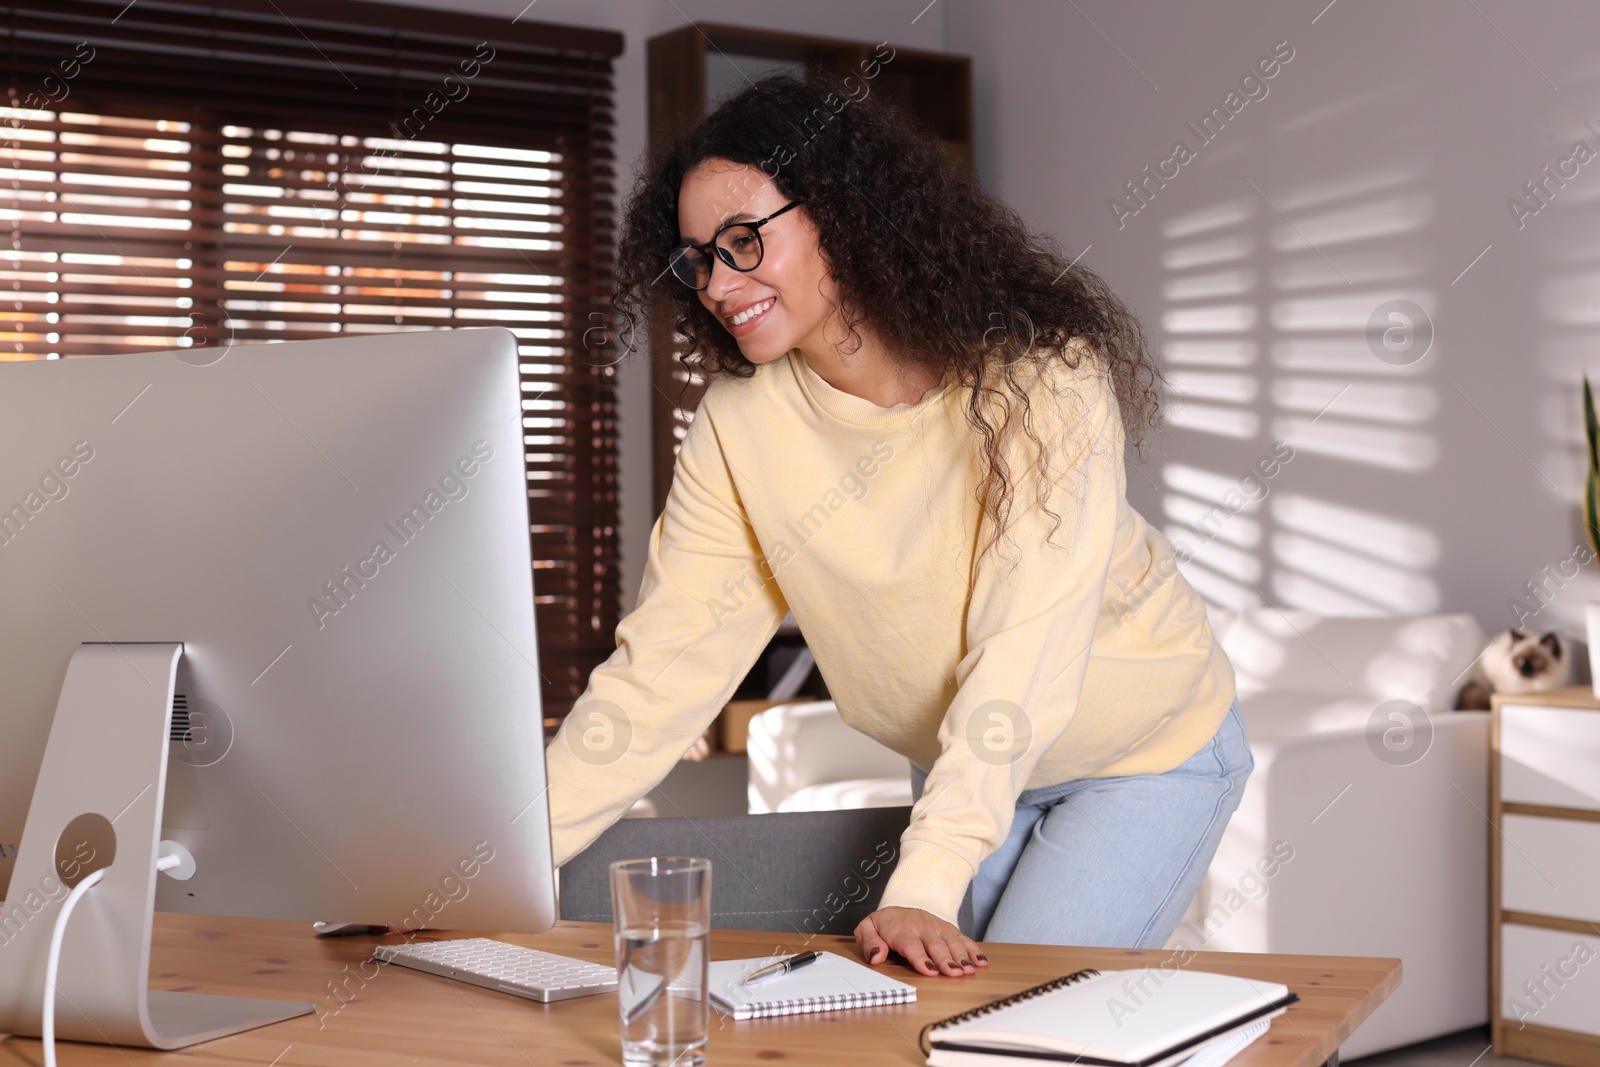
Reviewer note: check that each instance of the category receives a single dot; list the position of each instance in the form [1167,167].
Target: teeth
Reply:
[750,313]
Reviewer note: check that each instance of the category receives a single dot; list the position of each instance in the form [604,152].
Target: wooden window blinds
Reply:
[178,175]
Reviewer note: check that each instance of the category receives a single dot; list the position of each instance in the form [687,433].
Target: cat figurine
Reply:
[1516,661]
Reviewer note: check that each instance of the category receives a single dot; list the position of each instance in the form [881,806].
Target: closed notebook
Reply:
[1124,1018]
[831,981]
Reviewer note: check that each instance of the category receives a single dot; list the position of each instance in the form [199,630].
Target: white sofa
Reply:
[803,757]
[1389,843]
[1346,843]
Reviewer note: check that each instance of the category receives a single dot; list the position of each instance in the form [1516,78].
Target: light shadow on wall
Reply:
[1566,231]
[1275,327]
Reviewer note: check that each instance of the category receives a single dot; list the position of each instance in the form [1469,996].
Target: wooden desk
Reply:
[379,1014]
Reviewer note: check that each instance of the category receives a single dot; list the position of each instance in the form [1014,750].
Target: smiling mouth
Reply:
[751,313]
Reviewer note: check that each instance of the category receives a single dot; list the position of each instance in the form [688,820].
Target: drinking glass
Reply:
[661,917]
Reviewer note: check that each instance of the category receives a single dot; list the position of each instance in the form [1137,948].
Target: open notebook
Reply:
[1126,1018]
[831,981]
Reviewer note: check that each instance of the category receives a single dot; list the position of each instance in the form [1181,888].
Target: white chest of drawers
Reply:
[1544,858]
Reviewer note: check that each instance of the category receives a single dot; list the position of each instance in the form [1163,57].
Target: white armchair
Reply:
[803,757]
[1380,808]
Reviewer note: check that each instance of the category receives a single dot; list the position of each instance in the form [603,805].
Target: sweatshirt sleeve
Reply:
[1028,634]
[706,609]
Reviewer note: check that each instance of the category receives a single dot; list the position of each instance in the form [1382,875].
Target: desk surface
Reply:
[379,1014]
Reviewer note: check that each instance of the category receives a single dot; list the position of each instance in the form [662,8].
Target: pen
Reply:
[782,966]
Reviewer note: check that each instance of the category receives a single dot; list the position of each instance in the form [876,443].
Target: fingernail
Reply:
[982,958]
[966,963]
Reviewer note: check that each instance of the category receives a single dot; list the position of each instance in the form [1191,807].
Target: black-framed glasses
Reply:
[738,244]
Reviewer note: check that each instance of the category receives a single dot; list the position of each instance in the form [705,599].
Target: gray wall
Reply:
[1377,167]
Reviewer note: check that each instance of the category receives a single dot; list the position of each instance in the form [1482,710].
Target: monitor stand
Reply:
[98,804]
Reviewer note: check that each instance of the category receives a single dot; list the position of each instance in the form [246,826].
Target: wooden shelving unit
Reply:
[1544,863]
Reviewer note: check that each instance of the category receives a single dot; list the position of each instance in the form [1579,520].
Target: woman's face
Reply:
[793,275]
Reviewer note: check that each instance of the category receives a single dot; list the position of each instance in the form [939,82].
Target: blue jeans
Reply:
[1110,861]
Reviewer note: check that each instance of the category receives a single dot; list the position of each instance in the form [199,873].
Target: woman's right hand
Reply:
[930,944]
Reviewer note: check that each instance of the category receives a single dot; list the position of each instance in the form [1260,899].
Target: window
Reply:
[173,176]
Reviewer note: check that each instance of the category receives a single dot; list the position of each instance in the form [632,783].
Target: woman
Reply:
[914,442]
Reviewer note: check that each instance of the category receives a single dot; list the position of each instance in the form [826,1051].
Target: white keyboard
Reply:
[524,972]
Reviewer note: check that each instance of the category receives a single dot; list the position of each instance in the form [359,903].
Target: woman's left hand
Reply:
[931,945]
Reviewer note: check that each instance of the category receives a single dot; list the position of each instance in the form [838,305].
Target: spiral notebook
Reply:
[1143,1017]
[832,981]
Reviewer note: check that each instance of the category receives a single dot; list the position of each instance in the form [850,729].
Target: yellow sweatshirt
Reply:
[1092,657]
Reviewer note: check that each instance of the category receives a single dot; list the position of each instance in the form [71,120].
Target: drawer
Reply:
[1549,978]
[1550,756]
[1550,866]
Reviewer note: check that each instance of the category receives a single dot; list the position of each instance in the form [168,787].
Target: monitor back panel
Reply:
[338,533]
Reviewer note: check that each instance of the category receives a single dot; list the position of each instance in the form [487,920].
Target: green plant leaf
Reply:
[1591,428]
[1591,514]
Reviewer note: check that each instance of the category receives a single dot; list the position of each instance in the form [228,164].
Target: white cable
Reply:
[47,1027]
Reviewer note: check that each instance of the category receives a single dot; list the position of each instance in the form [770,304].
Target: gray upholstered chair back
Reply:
[813,872]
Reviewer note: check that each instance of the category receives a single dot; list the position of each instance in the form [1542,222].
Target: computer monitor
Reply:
[278,606]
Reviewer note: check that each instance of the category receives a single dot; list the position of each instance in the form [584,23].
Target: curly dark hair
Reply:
[918,251]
